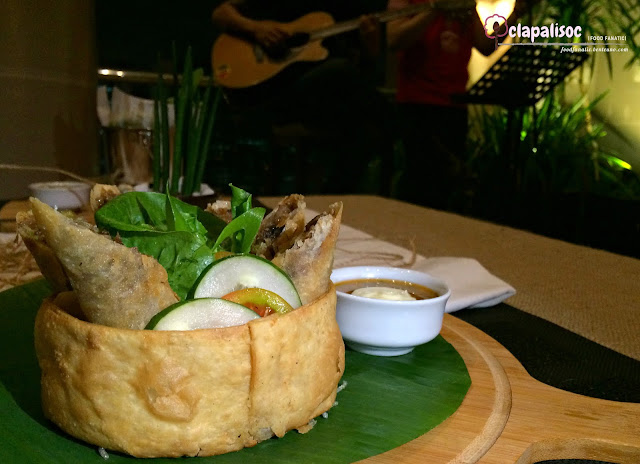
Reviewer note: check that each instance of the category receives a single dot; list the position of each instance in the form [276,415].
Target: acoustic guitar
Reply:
[239,62]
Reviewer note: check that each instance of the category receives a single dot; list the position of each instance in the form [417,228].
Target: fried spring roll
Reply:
[220,208]
[309,261]
[101,194]
[46,259]
[115,285]
[281,227]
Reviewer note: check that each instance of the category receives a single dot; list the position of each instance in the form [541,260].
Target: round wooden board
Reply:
[509,417]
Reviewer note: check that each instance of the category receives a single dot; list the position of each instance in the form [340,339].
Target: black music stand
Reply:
[521,77]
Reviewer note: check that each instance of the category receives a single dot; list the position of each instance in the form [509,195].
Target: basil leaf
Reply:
[183,254]
[133,211]
[240,201]
[176,221]
[178,235]
[182,237]
[241,232]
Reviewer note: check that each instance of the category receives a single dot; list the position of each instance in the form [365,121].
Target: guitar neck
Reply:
[388,15]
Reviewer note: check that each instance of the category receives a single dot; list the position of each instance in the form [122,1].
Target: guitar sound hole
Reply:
[297,40]
[283,51]
[277,52]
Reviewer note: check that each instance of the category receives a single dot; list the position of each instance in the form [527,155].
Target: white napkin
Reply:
[470,283]
[472,286]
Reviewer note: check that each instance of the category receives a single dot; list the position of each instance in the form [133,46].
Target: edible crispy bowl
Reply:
[193,393]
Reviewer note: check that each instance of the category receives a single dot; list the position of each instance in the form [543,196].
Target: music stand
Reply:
[521,77]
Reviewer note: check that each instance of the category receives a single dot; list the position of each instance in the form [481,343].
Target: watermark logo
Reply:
[495,26]
[554,30]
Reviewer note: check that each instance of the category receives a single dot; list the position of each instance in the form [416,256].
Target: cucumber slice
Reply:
[245,271]
[203,313]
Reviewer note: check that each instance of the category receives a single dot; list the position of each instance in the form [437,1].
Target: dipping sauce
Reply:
[386,289]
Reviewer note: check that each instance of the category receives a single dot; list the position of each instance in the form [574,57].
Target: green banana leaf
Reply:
[386,403]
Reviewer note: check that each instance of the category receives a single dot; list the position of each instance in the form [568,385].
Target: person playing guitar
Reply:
[270,33]
[274,44]
[333,95]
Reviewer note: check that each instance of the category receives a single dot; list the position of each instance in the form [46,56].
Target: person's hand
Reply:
[269,34]
[370,34]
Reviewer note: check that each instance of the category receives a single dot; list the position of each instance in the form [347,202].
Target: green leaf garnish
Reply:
[179,235]
[240,201]
[242,232]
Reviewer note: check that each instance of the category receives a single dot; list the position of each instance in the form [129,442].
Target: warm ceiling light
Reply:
[487,8]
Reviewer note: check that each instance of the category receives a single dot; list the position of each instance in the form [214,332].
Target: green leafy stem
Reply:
[195,116]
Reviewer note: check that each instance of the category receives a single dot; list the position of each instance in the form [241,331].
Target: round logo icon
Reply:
[493,27]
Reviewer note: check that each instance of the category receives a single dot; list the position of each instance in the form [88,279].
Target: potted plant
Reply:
[180,152]
[560,180]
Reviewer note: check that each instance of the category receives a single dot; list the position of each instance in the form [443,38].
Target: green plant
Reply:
[180,166]
[555,147]
[557,152]
[598,18]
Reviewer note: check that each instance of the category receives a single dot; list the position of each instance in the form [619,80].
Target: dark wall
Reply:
[136,35]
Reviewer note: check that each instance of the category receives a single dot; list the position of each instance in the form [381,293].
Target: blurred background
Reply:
[577,163]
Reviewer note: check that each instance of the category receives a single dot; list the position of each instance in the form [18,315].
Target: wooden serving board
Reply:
[509,417]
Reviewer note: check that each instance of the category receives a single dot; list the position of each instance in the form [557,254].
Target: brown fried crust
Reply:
[46,259]
[281,227]
[309,261]
[115,285]
[200,392]
[101,194]
[222,209]
[298,359]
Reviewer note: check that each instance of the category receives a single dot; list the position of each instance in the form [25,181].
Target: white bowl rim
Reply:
[374,301]
[59,185]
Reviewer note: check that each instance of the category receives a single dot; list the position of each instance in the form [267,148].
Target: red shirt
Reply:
[435,67]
